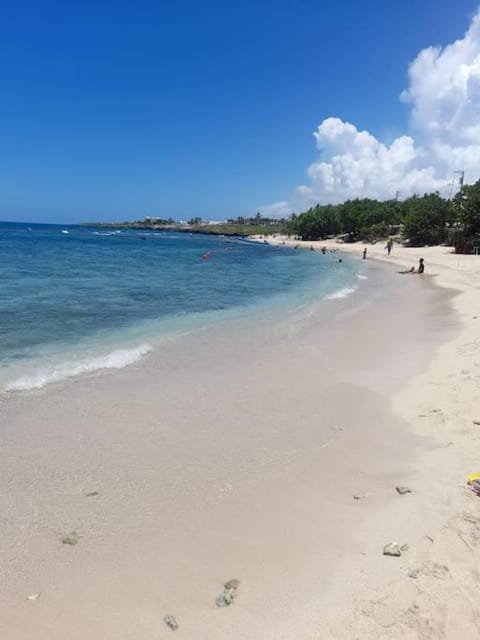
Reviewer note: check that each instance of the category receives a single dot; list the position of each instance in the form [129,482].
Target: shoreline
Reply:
[111,341]
[193,491]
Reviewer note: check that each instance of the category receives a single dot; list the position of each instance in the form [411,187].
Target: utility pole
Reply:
[461,178]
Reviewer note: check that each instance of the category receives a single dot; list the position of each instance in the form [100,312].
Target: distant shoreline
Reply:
[220,229]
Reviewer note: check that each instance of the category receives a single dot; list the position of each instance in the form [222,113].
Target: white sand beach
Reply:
[435,594]
[269,454]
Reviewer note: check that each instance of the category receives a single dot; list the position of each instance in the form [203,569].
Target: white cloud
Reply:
[444,94]
[276,209]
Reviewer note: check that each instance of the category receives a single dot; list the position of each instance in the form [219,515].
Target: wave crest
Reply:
[114,360]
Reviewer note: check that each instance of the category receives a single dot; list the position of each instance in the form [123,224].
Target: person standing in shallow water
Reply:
[365,253]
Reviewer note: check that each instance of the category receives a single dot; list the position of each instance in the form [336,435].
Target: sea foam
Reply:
[340,293]
[114,360]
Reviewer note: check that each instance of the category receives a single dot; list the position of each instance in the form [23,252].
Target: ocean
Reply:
[76,299]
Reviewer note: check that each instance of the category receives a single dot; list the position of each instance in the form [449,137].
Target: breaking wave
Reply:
[114,360]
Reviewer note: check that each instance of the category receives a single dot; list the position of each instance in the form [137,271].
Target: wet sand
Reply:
[229,453]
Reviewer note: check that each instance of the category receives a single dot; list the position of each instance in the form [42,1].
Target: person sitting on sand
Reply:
[421,268]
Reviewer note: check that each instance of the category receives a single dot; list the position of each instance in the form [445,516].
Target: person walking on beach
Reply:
[365,253]
[389,246]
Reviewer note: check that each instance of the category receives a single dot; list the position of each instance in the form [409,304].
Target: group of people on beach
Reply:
[421,262]
[388,247]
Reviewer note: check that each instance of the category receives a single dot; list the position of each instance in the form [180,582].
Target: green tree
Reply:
[467,206]
[316,223]
[425,219]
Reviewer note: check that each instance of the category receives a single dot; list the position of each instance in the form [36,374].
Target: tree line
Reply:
[419,220]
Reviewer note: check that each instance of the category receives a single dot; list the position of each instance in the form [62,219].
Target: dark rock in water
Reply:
[171,622]
[232,584]
[403,490]
[226,598]
[71,540]
[392,549]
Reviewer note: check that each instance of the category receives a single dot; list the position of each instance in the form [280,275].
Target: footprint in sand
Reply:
[425,625]
[438,571]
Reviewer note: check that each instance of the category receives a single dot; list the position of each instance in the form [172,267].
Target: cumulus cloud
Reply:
[444,96]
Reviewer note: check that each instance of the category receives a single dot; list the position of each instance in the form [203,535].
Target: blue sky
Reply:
[116,110]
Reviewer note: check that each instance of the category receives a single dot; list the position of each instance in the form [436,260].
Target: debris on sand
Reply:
[91,494]
[226,598]
[232,584]
[171,622]
[402,490]
[394,549]
[71,539]
[34,596]
[229,593]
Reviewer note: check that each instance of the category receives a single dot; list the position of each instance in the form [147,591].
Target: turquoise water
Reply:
[76,299]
